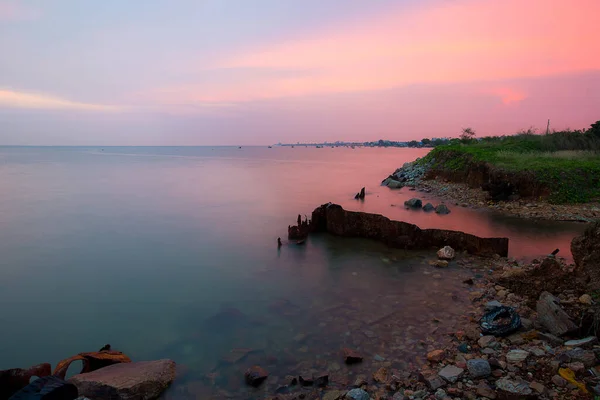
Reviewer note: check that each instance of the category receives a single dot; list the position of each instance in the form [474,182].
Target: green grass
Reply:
[572,176]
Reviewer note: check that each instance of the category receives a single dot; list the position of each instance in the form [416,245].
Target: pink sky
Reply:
[402,70]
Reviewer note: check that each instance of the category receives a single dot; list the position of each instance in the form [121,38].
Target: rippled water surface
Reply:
[171,252]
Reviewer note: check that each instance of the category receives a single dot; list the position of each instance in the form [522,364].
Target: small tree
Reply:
[467,135]
[426,142]
[595,129]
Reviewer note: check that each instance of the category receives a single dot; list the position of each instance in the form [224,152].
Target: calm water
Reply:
[171,252]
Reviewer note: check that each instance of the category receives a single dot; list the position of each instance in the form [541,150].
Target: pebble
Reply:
[538,387]
[516,356]
[436,355]
[357,394]
[586,299]
[479,368]
[559,381]
[451,373]
[486,341]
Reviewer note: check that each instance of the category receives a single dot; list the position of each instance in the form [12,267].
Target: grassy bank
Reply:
[565,164]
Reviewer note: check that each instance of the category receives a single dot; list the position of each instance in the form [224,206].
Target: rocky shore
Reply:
[532,335]
[419,176]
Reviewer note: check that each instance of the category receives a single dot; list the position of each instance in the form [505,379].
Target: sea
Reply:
[171,252]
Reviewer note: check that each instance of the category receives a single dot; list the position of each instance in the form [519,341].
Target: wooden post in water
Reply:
[548,127]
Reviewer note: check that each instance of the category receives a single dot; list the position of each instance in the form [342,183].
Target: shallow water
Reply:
[171,252]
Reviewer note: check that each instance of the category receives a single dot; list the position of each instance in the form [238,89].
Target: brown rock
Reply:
[255,375]
[333,395]
[381,376]
[586,254]
[436,355]
[538,387]
[559,381]
[13,380]
[351,356]
[485,391]
[143,380]
[552,317]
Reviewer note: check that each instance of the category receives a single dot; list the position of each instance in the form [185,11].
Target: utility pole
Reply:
[548,127]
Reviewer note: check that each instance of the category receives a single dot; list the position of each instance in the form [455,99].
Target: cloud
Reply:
[11,10]
[440,42]
[508,95]
[13,99]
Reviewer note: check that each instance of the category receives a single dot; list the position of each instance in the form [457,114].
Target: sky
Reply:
[240,72]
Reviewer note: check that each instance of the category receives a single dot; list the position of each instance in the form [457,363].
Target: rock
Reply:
[381,376]
[441,263]
[321,380]
[142,380]
[13,380]
[428,207]
[576,366]
[463,348]
[550,338]
[255,375]
[351,356]
[442,209]
[333,219]
[484,390]
[360,380]
[538,387]
[333,395]
[446,253]
[516,356]
[306,379]
[433,381]
[451,373]
[552,317]
[440,394]
[479,368]
[586,254]
[585,299]
[357,394]
[490,305]
[559,381]
[486,341]
[394,184]
[587,357]
[581,342]
[436,355]
[515,387]
[413,203]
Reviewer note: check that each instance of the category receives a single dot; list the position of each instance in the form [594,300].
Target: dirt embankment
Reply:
[457,178]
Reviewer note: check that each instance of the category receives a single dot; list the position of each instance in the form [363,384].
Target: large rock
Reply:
[334,219]
[442,209]
[586,254]
[13,380]
[144,380]
[552,317]
[394,184]
[256,375]
[446,253]
[413,203]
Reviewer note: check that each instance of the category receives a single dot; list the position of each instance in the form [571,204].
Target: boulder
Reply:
[552,317]
[586,254]
[333,219]
[413,203]
[442,209]
[428,207]
[144,380]
[256,375]
[394,184]
[446,253]
[13,380]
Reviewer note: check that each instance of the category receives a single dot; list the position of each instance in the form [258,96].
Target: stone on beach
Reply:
[451,373]
[413,203]
[255,375]
[552,317]
[479,368]
[357,394]
[351,356]
[516,356]
[442,209]
[436,355]
[446,253]
[428,207]
[516,387]
[144,380]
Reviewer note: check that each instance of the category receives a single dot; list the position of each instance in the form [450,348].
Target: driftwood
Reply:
[91,361]
[552,317]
